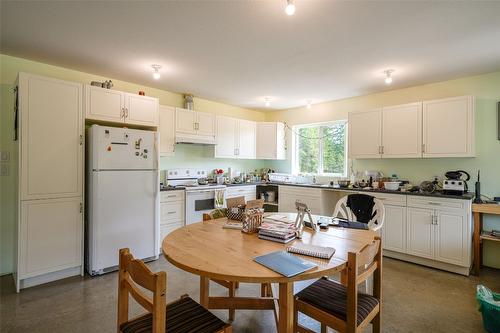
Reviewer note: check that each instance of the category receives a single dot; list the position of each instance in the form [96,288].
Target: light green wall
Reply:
[186,155]
[486,89]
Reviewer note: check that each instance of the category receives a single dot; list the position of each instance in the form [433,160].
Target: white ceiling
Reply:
[239,52]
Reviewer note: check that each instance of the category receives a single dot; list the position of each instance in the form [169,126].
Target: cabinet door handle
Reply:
[382,150]
[423,147]
[171,196]
[170,212]
[434,203]
[81,140]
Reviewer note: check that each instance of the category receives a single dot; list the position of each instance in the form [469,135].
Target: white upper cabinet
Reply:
[438,128]
[104,104]
[402,131]
[205,124]
[141,110]
[448,127]
[227,132]
[51,123]
[194,127]
[365,134]
[167,130]
[236,138]
[185,121]
[271,141]
[120,107]
[247,131]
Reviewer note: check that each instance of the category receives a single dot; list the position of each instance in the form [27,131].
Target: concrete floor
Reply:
[415,299]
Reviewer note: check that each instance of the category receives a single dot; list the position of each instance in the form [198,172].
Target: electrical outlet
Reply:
[4,156]
[4,170]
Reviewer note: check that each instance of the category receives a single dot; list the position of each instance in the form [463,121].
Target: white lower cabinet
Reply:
[172,212]
[451,237]
[421,232]
[247,191]
[394,229]
[288,195]
[50,236]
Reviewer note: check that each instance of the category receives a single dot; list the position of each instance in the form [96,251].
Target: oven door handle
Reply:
[202,191]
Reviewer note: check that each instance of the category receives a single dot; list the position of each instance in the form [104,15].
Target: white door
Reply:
[266,141]
[50,236]
[246,139]
[51,138]
[402,131]
[205,124]
[185,121]
[421,232]
[104,104]
[451,238]
[123,214]
[365,134]
[226,137]
[167,130]
[394,233]
[141,110]
[448,127]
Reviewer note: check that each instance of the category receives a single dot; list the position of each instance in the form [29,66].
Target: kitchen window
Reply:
[321,149]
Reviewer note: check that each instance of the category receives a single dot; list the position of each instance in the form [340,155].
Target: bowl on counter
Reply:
[343,183]
[391,186]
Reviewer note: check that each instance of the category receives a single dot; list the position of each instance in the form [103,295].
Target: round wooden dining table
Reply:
[214,253]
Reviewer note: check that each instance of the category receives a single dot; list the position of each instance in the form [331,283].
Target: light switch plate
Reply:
[4,170]
[4,156]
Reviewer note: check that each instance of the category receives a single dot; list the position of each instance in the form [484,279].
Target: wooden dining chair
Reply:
[341,306]
[181,316]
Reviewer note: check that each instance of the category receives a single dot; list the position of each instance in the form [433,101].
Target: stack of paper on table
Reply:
[277,230]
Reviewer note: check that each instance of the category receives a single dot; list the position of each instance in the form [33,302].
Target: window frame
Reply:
[295,149]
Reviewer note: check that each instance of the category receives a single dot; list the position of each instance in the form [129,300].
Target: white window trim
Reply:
[295,150]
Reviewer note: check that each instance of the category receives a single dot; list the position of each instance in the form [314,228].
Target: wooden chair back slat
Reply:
[139,272]
[368,253]
[366,273]
[138,295]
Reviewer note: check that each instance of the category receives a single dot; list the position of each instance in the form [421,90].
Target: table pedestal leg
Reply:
[204,291]
[285,324]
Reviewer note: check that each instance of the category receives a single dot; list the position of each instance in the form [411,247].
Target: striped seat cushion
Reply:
[331,297]
[183,316]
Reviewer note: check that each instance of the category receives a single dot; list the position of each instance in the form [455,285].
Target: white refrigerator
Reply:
[122,196]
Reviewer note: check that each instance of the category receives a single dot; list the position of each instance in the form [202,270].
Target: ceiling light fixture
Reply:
[309,103]
[388,76]
[290,8]
[267,102]
[156,74]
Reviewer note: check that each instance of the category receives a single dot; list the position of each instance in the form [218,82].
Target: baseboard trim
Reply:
[428,262]
[49,277]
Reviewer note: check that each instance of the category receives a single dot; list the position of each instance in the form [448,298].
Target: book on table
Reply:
[284,263]
[278,240]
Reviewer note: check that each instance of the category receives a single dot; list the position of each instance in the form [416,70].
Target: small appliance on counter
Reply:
[454,184]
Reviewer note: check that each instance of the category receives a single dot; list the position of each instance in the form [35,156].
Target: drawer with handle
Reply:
[437,203]
[169,196]
[389,199]
[171,211]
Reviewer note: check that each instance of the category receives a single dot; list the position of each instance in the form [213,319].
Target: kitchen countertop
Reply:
[172,189]
[467,196]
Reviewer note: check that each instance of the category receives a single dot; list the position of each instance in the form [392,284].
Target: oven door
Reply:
[199,202]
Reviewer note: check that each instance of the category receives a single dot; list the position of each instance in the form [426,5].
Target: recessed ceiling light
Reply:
[309,103]
[156,74]
[267,102]
[290,8]
[388,76]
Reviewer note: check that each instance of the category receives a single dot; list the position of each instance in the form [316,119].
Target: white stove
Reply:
[200,199]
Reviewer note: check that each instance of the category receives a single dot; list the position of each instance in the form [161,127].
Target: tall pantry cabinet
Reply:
[50,207]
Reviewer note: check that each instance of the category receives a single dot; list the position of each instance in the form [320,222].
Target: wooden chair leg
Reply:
[236,285]
[265,290]
[343,277]
[295,318]
[377,323]
[323,328]
[232,289]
